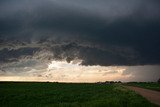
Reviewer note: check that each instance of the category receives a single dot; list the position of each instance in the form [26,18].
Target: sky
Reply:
[79,40]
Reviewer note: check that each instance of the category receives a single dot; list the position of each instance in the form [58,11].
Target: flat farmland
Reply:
[46,94]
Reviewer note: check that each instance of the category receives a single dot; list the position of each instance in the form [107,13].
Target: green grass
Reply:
[147,85]
[68,95]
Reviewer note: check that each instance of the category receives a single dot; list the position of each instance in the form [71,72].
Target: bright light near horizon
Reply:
[63,64]
[62,71]
[75,72]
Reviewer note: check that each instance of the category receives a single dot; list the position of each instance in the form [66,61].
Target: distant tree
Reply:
[119,82]
[158,81]
[111,82]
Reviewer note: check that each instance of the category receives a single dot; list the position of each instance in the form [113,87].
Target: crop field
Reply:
[147,85]
[32,94]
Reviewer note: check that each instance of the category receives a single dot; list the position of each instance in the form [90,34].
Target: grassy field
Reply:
[68,95]
[149,85]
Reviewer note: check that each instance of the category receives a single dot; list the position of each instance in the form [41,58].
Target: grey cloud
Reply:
[91,55]
[13,55]
[106,32]
[24,67]
[115,9]
[143,73]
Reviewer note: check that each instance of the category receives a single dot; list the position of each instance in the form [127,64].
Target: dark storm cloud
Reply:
[8,55]
[106,32]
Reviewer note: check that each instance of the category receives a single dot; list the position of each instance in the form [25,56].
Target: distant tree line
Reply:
[109,82]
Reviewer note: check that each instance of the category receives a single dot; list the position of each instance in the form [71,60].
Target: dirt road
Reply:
[152,96]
